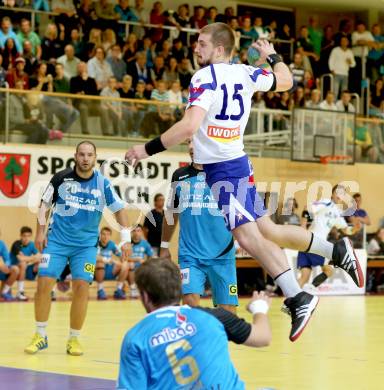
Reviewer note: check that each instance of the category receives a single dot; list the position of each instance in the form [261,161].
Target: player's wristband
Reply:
[273,59]
[258,306]
[125,236]
[154,146]
[164,244]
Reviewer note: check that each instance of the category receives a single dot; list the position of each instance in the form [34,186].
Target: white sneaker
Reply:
[21,296]
[134,293]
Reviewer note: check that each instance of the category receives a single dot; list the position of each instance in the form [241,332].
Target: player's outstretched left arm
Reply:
[178,133]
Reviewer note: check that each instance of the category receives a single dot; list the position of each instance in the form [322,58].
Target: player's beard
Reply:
[86,170]
[206,62]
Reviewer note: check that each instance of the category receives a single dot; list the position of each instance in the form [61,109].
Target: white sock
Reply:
[100,286]
[288,283]
[74,333]
[133,286]
[321,247]
[41,328]
[54,288]
[120,285]
[20,286]
[6,288]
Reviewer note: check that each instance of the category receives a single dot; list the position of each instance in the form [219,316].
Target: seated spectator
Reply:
[82,84]
[108,39]
[26,258]
[271,99]
[185,73]
[171,73]
[284,48]
[9,54]
[87,17]
[262,33]
[8,273]
[363,142]
[198,20]
[340,61]
[176,98]
[99,69]
[110,112]
[26,34]
[359,218]
[212,15]
[192,55]
[147,48]
[6,31]
[118,66]
[165,51]
[234,25]
[31,60]
[376,55]
[131,121]
[141,251]
[376,105]
[329,102]
[40,80]
[297,69]
[109,266]
[69,62]
[158,69]
[376,244]
[18,74]
[77,43]
[139,70]
[299,98]
[258,101]
[106,14]
[60,82]
[183,21]
[52,44]
[305,47]
[284,103]
[249,31]
[141,108]
[314,101]
[130,48]
[178,50]
[287,215]
[67,14]
[157,17]
[344,104]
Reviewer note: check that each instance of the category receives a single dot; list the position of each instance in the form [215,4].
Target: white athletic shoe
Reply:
[134,293]
[21,296]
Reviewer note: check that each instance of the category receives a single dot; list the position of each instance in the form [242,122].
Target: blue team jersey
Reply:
[203,233]
[78,207]
[27,250]
[4,254]
[168,350]
[108,250]
[141,249]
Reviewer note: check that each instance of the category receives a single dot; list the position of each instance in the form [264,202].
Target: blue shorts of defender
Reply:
[30,273]
[109,268]
[81,261]
[221,276]
[232,185]
[309,260]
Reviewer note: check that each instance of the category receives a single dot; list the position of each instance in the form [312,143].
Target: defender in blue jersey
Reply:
[78,197]
[206,247]
[26,258]
[8,273]
[109,265]
[179,347]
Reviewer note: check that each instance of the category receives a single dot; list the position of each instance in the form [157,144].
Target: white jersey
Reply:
[225,92]
[326,215]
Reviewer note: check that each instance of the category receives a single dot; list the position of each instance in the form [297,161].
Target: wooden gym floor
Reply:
[342,348]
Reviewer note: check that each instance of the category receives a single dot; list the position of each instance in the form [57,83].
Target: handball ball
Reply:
[253,55]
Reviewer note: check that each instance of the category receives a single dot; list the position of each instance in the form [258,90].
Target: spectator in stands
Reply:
[157,17]
[142,15]
[228,13]
[287,216]
[111,110]
[87,17]
[345,28]
[192,56]
[327,45]
[178,50]
[141,108]
[305,47]
[31,60]
[3,73]
[126,91]
[78,44]
[26,34]
[376,54]
[139,70]
[67,14]
[171,72]
[99,69]
[26,257]
[262,33]
[6,31]
[362,42]
[108,39]
[130,48]
[129,110]
[271,99]
[158,69]
[212,15]
[234,25]
[248,31]
[41,5]
[185,73]
[52,44]
[329,102]
[198,20]
[315,34]
[106,14]
[340,61]
[61,81]
[299,97]
[147,48]
[18,74]
[93,42]
[125,15]
[69,62]
[376,105]
[8,273]
[153,224]
[285,48]
[344,104]
[359,218]
[297,69]
[40,80]
[118,66]
[376,244]
[182,20]
[363,142]
[176,98]
[82,84]
[258,101]
[9,54]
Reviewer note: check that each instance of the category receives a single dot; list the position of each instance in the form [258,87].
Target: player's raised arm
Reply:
[283,76]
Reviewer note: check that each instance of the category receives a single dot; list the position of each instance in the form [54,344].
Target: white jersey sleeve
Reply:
[259,79]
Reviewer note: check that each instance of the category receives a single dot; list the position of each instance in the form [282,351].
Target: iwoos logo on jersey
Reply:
[223,134]
[168,335]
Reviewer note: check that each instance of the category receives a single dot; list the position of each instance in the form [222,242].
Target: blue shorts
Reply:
[30,274]
[221,275]
[309,260]
[232,185]
[109,272]
[3,276]
[81,261]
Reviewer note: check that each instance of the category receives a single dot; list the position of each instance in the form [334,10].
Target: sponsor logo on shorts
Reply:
[168,335]
[184,273]
[88,267]
[45,259]
[232,289]
[223,134]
